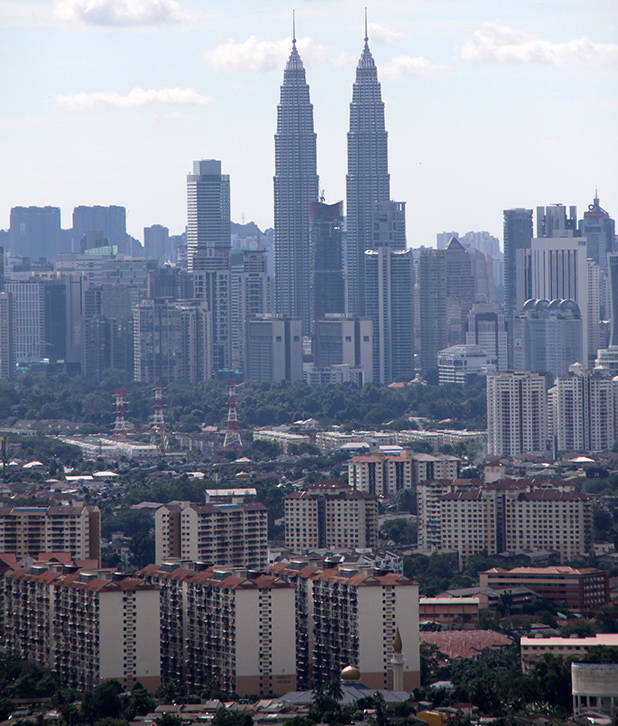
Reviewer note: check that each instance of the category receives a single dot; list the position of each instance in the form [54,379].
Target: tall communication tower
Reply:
[120,424]
[232,433]
[158,421]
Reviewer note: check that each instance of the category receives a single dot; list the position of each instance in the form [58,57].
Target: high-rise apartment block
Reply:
[233,632]
[433,305]
[326,264]
[548,336]
[35,232]
[516,413]
[110,222]
[487,328]
[227,535]
[295,187]
[87,626]
[330,514]
[389,304]
[274,349]
[583,414]
[28,531]
[521,517]
[157,243]
[368,180]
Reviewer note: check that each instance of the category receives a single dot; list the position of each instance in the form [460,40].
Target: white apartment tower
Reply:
[516,413]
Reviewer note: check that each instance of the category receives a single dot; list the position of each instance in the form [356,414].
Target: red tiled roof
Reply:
[464,643]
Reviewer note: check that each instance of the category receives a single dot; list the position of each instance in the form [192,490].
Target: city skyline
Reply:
[73,106]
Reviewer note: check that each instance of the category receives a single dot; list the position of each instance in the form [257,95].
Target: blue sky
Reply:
[489,104]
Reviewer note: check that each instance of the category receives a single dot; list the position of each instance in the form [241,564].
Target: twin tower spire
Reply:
[296,183]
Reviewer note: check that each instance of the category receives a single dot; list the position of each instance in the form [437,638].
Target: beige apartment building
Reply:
[349,616]
[230,631]
[229,535]
[330,514]
[28,531]
[385,475]
[86,626]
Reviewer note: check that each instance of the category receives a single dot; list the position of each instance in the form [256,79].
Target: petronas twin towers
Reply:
[296,184]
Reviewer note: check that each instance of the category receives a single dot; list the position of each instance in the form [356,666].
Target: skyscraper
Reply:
[517,236]
[111,221]
[327,290]
[367,181]
[599,229]
[35,232]
[432,299]
[295,186]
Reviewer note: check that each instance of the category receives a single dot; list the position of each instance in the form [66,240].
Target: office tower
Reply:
[225,631]
[157,243]
[486,328]
[484,242]
[367,180]
[558,268]
[330,515]
[433,305]
[341,341]
[251,294]
[554,221]
[389,304]
[517,236]
[583,415]
[295,186]
[110,221]
[516,413]
[172,341]
[212,284]
[443,239]
[230,535]
[548,336]
[7,335]
[389,225]
[599,229]
[612,264]
[208,228]
[274,349]
[29,301]
[1,269]
[483,275]
[462,364]
[170,282]
[35,232]
[326,238]
[459,290]
[88,626]
[28,531]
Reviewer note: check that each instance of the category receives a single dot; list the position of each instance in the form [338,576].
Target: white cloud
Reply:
[495,42]
[383,33]
[135,98]
[405,65]
[120,12]
[268,55]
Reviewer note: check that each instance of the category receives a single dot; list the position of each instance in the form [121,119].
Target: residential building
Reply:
[295,187]
[580,590]
[367,180]
[583,410]
[27,531]
[8,358]
[548,336]
[461,364]
[274,349]
[516,413]
[487,328]
[86,626]
[389,304]
[326,238]
[212,284]
[594,687]
[227,535]
[35,232]
[284,439]
[233,632]
[110,222]
[157,243]
[433,303]
[428,516]
[330,514]
[339,340]
[450,612]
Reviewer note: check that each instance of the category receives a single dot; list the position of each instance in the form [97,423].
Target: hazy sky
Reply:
[489,103]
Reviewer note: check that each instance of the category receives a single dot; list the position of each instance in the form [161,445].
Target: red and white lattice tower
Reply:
[158,422]
[120,424]
[232,434]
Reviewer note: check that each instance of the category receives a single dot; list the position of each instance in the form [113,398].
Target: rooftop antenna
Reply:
[293,27]
[366,33]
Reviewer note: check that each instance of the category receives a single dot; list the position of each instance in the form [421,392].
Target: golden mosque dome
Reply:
[350,673]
